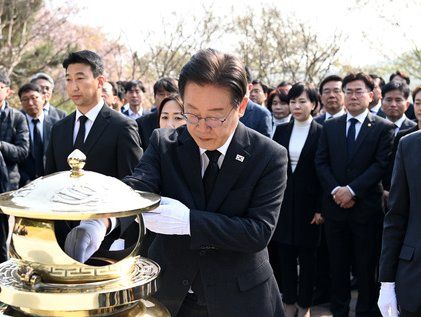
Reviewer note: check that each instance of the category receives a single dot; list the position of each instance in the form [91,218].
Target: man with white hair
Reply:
[47,85]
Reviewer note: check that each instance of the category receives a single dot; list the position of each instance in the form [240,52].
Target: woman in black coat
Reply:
[297,233]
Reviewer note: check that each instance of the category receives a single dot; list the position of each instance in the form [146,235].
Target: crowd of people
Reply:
[266,190]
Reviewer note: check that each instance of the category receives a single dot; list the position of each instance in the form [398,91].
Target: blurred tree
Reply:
[279,48]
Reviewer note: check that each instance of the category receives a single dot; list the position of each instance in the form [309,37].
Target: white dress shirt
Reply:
[361,117]
[135,115]
[298,139]
[204,160]
[376,108]
[398,123]
[40,125]
[91,115]
[336,115]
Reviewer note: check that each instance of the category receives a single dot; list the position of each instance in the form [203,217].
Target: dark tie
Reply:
[38,150]
[209,178]
[350,138]
[211,173]
[80,138]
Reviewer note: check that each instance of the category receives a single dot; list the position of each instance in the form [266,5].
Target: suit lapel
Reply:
[365,128]
[189,155]
[46,132]
[285,139]
[307,144]
[100,123]
[340,137]
[236,159]
[67,131]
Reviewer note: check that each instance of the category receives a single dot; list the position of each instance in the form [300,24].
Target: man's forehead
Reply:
[356,83]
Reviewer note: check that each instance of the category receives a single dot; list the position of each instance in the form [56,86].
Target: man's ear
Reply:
[242,107]
[101,81]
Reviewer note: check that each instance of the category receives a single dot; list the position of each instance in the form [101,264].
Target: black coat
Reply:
[146,124]
[303,191]
[229,236]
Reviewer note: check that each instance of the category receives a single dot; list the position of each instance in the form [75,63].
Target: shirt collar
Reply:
[361,117]
[223,149]
[3,105]
[46,107]
[376,108]
[336,115]
[40,118]
[399,122]
[91,114]
[139,113]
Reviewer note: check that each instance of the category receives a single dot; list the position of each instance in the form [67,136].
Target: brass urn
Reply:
[40,279]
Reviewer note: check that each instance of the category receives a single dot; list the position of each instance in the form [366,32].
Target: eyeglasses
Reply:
[26,100]
[211,122]
[357,93]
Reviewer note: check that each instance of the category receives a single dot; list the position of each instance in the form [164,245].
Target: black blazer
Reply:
[320,119]
[146,124]
[407,124]
[112,146]
[363,171]
[27,167]
[381,113]
[229,235]
[302,194]
[400,260]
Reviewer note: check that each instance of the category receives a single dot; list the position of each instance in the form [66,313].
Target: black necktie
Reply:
[211,173]
[38,146]
[350,138]
[80,138]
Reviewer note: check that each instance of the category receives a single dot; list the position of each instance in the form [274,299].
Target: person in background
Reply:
[109,94]
[14,148]
[47,86]
[146,124]
[297,233]
[376,103]
[259,93]
[170,112]
[135,97]
[32,101]
[277,104]
[284,86]
[332,98]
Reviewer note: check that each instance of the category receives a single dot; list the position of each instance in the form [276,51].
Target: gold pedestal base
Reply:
[144,308]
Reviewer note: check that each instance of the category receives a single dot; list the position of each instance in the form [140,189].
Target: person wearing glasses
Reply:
[351,160]
[332,97]
[222,186]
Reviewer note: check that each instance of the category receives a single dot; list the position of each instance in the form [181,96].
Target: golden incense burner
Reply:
[40,279]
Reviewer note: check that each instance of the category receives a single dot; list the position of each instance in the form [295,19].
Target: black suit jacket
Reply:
[257,118]
[320,119]
[381,113]
[363,171]
[400,260]
[146,124]
[294,226]
[229,235]
[27,167]
[112,148]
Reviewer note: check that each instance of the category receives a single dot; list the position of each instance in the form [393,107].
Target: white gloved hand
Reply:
[387,300]
[171,217]
[85,239]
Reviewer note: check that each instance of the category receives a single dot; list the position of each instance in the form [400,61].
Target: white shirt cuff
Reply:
[350,189]
[335,190]
[113,224]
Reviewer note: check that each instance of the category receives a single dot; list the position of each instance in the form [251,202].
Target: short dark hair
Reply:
[283,97]
[172,97]
[128,85]
[368,81]
[248,74]
[328,79]
[298,88]
[86,57]
[4,78]
[400,74]
[393,85]
[415,92]
[374,77]
[284,83]
[259,82]
[165,83]
[28,87]
[211,67]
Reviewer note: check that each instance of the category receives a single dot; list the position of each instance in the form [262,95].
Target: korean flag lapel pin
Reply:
[239,158]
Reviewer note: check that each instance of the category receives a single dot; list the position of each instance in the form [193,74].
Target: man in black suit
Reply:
[225,184]
[149,122]
[108,139]
[332,97]
[47,86]
[375,106]
[400,271]
[39,124]
[351,160]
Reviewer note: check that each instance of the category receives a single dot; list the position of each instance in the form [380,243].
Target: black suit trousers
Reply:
[342,236]
[4,229]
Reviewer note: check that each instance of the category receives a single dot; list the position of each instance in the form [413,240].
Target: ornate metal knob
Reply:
[76,161]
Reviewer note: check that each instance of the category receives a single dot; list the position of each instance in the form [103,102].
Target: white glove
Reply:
[387,300]
[85,239]
[171,217]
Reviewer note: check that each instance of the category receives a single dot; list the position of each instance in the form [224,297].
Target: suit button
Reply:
[202,252]
[185,282]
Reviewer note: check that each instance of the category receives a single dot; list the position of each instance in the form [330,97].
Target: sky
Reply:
[371,28]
